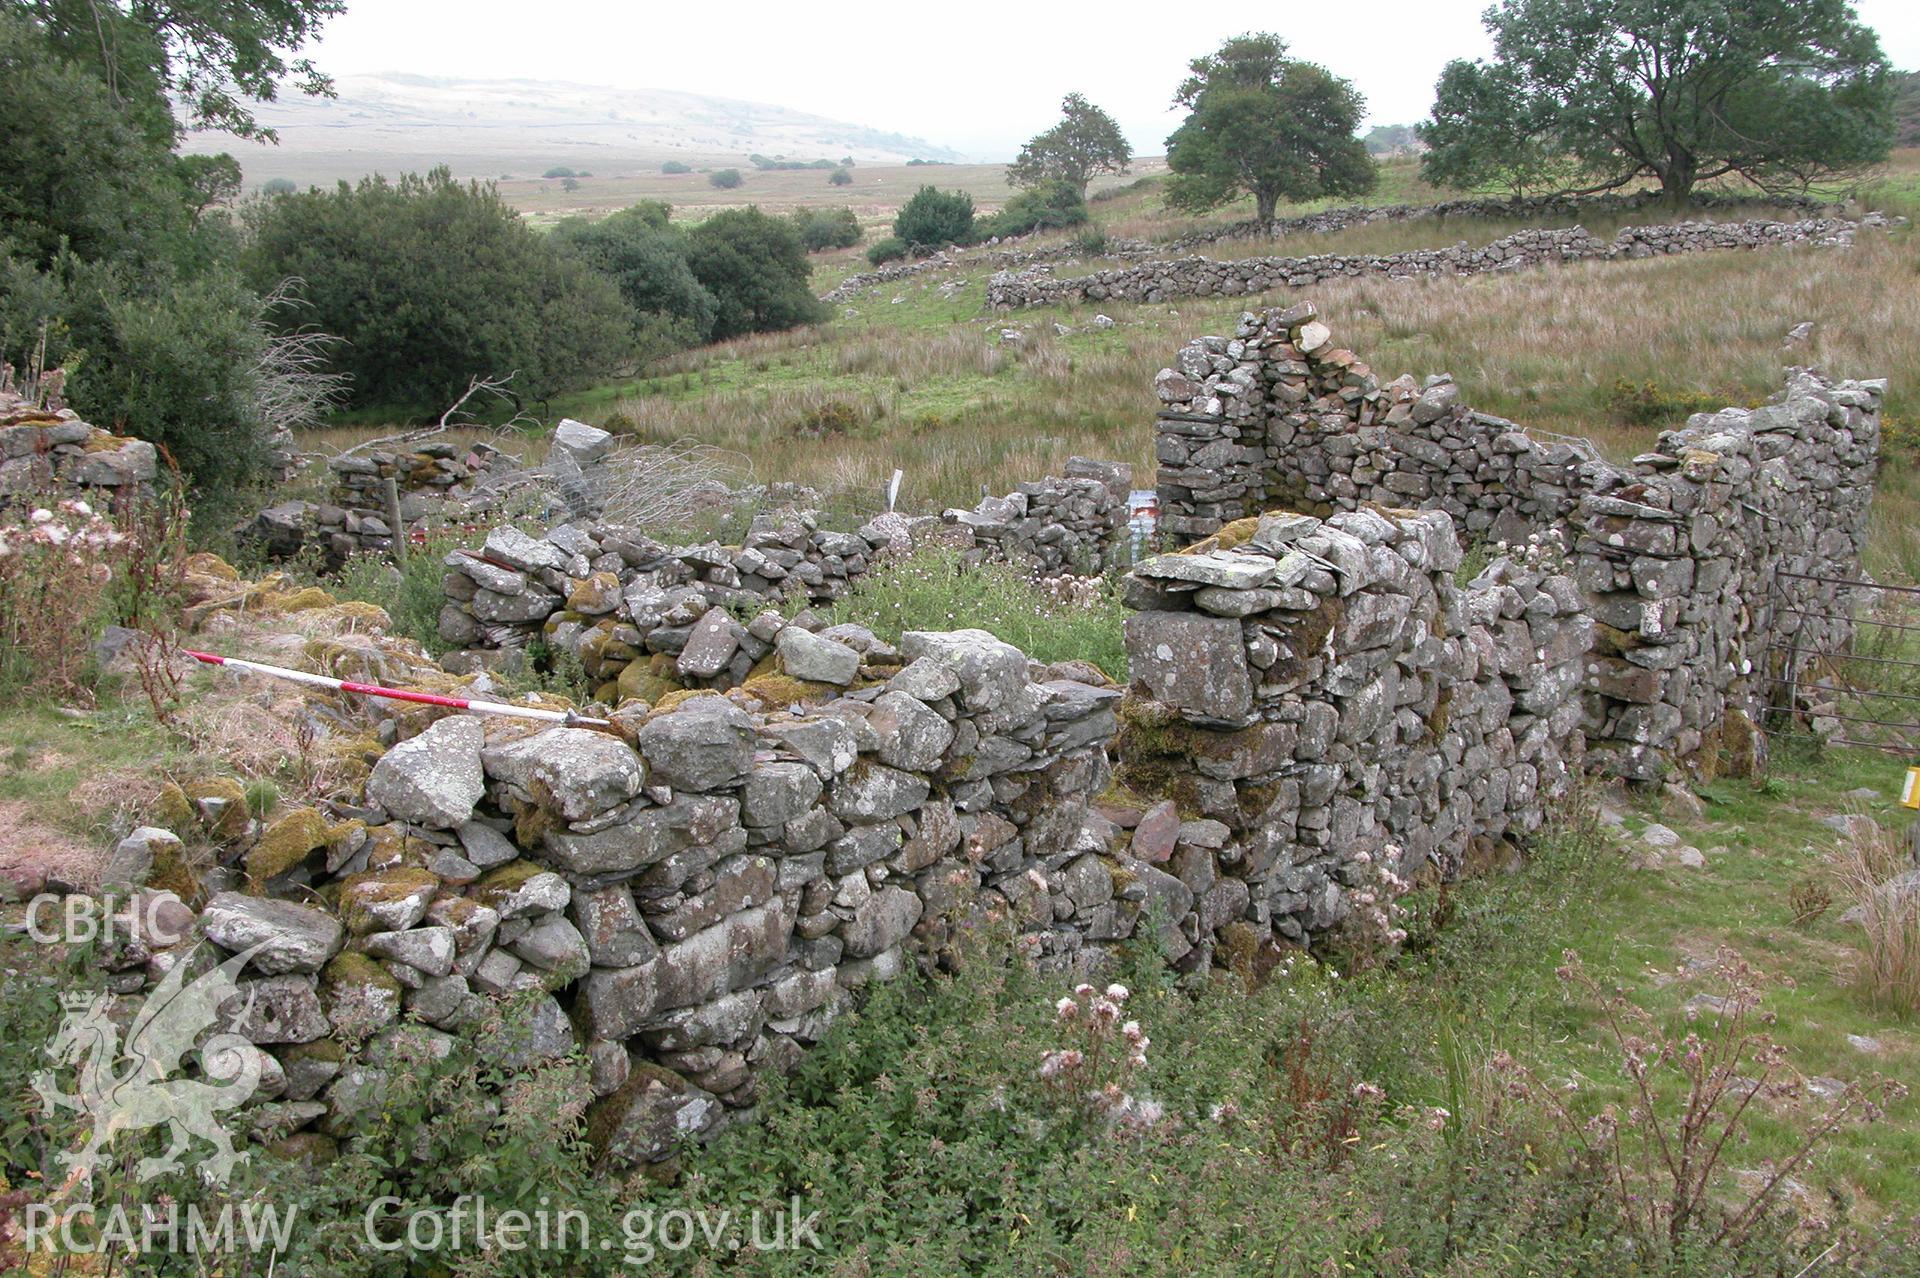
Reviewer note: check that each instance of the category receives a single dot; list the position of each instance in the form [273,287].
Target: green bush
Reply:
[840,177]
[432,282]
[559,171]
[891,249]
[821,229]
[278,186]
[1045,207]
[935,589]
[756,270]
[1650,404]
[645,256]
[152,354]
[676,166]
[933,218]
[726,179]
[412,595]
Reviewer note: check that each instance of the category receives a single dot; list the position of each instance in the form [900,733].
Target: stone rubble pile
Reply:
[1695,559]
[1074,522]
[1324,696]
[1162,281]
[42,448]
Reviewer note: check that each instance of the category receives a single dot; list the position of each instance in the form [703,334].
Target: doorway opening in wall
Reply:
[1845,672]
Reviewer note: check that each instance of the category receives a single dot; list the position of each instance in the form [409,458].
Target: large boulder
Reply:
[433,779]
[293,937]
[705,743]
[651,1114]
[575,773]
[816,659]
[1196,664]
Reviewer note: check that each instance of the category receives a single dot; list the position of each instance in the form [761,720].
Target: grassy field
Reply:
[878,190]
[916,375]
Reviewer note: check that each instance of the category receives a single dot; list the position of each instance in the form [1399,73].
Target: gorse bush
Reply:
[676,166]
[757,271]
[725,179]
[1047,206]
[645,256]
[1651,404]
[891,249]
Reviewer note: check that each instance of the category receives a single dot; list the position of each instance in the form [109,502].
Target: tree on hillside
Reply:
[1267,125]
[1595,95]
[756,270]
[115,252]
[839,177]
[432,282]
[1087,141]
[726,179]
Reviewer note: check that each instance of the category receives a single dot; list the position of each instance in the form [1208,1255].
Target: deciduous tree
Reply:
[1267,125]
[1593,95]
[1086,142]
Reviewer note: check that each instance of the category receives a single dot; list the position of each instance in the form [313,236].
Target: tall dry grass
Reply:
[1870,868]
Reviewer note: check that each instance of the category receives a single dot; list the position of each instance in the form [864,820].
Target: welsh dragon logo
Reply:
[129,1087]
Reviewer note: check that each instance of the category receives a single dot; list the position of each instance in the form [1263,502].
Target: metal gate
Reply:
[1864,692]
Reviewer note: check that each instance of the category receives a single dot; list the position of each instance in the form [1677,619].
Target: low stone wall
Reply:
[1203,277]
[690,899]
[1570,206]
[642,616]
[1075,523]
[1694,558]
[43,449]
[1326,697]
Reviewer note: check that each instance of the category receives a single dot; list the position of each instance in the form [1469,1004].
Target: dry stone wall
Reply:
[1710,558]
[52,448]
[1203,277]
[1570,206]
[690,899]
[642,616]
[1325,694]
[1694,559]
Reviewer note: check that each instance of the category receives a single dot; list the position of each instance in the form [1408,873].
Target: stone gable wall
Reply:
[1326,691]
[1694,558]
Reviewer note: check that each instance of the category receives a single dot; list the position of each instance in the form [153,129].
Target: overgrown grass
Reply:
[936,588]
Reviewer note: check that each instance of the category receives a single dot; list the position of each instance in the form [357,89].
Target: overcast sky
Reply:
[980,78]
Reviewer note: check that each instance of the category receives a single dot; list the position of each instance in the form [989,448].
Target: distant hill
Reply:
[394,121]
